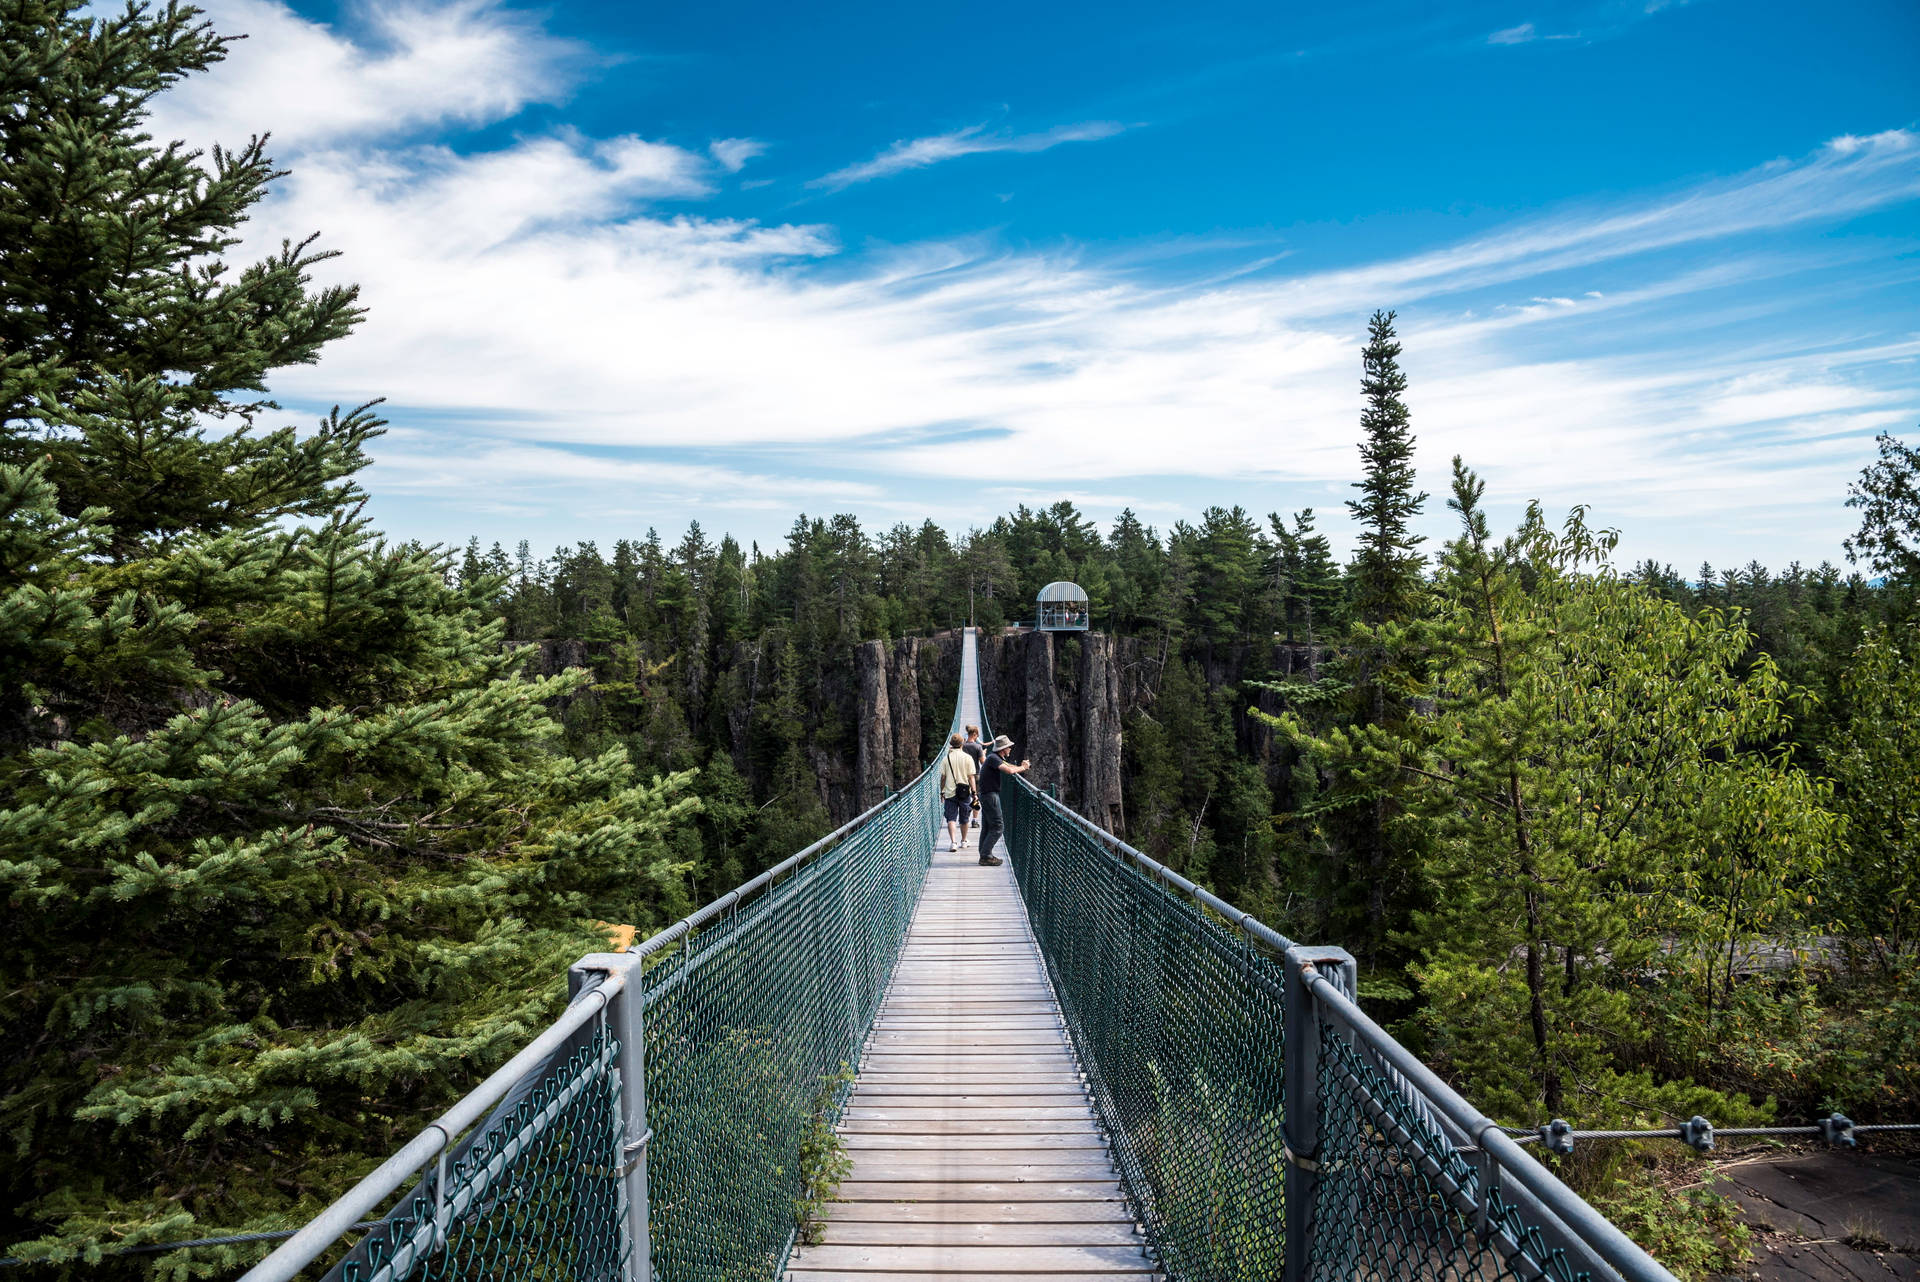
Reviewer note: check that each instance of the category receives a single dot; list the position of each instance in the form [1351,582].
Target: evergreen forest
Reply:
[300,825]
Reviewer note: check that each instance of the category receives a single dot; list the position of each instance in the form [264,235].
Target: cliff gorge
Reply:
[1056,695]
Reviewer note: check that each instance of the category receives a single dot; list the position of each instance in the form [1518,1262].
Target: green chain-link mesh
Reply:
[1398,1199]
[746,1023]
[536,1196]
[1178,1019]
[1178,1025]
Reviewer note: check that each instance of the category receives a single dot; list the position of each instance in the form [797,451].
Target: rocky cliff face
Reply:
[1061,697]
[1057,696]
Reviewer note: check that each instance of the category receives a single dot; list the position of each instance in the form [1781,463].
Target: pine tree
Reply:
[1387,590]
[1387,567]
[1307,580]
[289,856]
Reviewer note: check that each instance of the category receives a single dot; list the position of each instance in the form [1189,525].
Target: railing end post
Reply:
[624,1016]
[1301,1119]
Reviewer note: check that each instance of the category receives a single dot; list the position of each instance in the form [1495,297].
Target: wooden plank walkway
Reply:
[975,1155]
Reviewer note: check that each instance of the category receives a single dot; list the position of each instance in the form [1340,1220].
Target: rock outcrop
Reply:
[1058,696]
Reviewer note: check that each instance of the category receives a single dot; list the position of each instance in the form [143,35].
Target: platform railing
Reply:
[1262,1124]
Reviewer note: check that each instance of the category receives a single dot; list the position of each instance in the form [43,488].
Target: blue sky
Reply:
[630,265]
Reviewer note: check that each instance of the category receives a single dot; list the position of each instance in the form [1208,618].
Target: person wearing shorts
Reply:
[957,775]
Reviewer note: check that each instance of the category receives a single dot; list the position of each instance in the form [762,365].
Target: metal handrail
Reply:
[391,1175]
[437,1136]
[1595,1231]
[1565,1216]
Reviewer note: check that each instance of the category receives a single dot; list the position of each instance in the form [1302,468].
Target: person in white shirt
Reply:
[957,774]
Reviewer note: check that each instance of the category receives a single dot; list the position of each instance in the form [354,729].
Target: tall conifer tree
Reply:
[1386,569]
[289,858]
[1387,588]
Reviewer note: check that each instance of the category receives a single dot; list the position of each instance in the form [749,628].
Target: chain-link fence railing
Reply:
[567,1164]
[748,1023]
[1179,1029]
[1263,1126]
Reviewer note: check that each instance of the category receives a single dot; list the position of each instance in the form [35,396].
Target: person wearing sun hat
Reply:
[991,769]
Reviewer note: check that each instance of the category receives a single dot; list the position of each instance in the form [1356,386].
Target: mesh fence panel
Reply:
[748,1023]
[534,1197]
[1178,1025]
[1398,1198]
[1178,1017]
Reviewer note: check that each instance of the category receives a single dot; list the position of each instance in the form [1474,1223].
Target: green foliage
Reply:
[1888,497]
[1874,758]
[289,852]
[823,1156]
[1696,1232]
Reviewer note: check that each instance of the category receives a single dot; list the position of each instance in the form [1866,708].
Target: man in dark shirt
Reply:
[975,749]
[991,822]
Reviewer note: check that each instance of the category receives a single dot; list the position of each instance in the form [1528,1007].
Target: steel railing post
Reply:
[629,1029]
[1301,1089]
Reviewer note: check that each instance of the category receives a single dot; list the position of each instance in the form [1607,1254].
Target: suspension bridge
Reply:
[881,1061]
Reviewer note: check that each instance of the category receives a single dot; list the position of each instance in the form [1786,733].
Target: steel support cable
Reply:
[1700,1134]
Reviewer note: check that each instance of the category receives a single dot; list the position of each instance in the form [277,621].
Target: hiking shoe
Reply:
[990,861]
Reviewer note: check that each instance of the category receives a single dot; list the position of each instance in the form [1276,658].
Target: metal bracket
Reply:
[1304,1163]
[1697,1132]
[1837,1129]
[1557,1137]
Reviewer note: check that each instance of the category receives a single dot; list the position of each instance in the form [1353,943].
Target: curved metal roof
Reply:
[1061,590]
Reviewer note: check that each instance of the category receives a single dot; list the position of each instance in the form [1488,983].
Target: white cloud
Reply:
[733,153]
[1513,35]
[538,294]
[417,64]
[918,153]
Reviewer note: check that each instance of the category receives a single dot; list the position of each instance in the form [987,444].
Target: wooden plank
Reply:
[981,1259]
[956,1105]
[1109,1232]
[924,1168]
[1082,1211]
[1048,1077]
[1001,1156]
[970,1124]
[985,1113]
[935,1034]
[1085,1138]
[842,1275]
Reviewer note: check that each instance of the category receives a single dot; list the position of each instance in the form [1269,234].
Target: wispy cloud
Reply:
[544,294]
[1513,35]
[733,153]
[918,153]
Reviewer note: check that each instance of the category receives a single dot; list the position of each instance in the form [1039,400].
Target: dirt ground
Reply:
[1829,1216]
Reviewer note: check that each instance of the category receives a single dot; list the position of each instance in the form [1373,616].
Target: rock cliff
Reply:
[1058,696]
